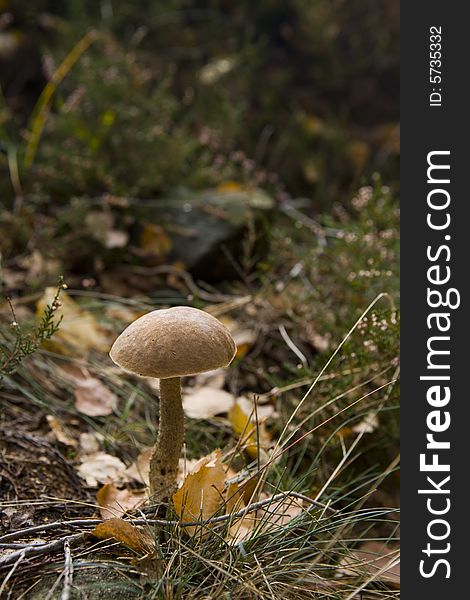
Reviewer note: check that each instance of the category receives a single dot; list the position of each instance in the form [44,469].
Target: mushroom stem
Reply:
[167,450]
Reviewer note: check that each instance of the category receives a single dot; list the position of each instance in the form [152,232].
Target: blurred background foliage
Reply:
[181,93]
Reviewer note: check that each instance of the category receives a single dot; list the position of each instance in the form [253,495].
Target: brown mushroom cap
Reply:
[174,342]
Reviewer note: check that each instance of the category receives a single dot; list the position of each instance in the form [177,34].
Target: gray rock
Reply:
[208,229]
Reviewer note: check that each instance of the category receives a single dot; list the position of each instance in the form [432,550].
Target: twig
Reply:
[93,522]
[187,279]
[15,535]
[292,346]
[68,571]
[39,549]
[21,556]
[250,508]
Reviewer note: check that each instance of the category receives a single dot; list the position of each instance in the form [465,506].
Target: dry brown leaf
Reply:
[139,469]
[72,372]
[248,431]
[201,494]
[136,538]
[206,402]
[114,502]
[185,466]
[94,399]
[92,396]
[100,467]
[79,331]
[371,558]
[59,432]
[234,498]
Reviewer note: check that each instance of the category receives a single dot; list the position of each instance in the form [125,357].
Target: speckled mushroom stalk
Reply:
[165,455]
[169,344]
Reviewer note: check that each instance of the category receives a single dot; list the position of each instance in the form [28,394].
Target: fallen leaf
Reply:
[114,502]
[94,399]
[79,331]
[139,469]
[248,431]
[136,538]
[242,527]
[89,443]
[59,432]
[213,379]
[201,494]
[185,466]
[234,498]
[370,559]
[102,468]
[262,411]
[206,402]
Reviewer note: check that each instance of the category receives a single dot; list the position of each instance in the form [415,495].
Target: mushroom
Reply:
[170,344]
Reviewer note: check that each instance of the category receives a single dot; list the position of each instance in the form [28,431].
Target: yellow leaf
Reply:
[201,494]
[136,538]
[234,498]
[247,430]
[79,331]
